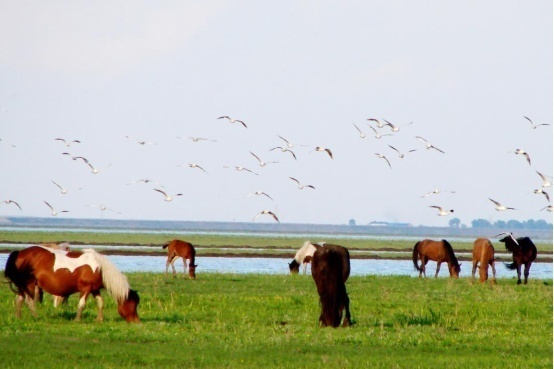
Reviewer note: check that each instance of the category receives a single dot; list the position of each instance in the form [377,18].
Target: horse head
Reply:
[509,241]
[294,267]
[127,309]
[192,271]
[455,270]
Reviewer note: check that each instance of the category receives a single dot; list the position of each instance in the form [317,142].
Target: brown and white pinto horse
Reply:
[303,257]
[330,270]
[65,273]
[438,251]
[180,249]
[483,254]
[58,300]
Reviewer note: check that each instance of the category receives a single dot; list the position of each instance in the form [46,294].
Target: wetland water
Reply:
[264,265]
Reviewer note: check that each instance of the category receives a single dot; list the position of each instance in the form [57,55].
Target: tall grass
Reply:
[235,321]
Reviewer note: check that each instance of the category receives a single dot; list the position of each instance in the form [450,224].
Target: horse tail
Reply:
[192,255]
[13,274]
[511,266]
[334,289]
[164,246]
[415,255]
[113,280]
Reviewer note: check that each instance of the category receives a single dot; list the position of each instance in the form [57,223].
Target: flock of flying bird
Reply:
[375,125]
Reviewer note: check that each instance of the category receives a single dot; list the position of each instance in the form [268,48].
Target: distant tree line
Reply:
[501,224]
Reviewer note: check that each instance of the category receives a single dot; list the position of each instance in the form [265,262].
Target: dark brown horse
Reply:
[180,249]
[524,252]
[330,270]
[439,251]
[483,254]
[64,273]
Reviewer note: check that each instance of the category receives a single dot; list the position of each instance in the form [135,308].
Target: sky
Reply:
[460,74]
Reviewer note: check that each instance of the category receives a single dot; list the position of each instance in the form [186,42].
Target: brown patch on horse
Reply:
[180,249]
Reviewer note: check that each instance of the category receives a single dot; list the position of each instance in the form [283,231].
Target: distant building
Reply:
[387,224]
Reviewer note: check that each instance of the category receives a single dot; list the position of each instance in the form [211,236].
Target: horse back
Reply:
[483,250]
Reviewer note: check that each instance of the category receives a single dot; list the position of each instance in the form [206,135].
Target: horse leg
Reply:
[473,270]
[347,322]
[438,268]
[305,267]
[31,304]
[519,274]
[493,271]
[185,268]
[422,268]
[81,305]
[526,271]
[173,265]
[100,305]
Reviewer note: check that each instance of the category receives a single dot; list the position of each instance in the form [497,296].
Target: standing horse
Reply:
[63,274]
[524,252]
[330,270]
[483,254]
[303,256]
[438,251]
[180,249]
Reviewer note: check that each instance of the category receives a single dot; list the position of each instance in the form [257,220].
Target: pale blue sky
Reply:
[464,72]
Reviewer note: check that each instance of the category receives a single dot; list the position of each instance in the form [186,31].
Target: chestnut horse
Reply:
[438,251]
[180,249]
[483,254]
[58,300]
[330,270]
[524,252]
[65,273]
[303,257]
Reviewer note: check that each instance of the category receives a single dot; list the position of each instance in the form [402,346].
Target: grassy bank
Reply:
[232,321]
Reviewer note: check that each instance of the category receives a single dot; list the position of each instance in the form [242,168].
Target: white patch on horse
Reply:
[62,261]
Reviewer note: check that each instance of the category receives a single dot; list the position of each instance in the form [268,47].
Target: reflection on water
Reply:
[239,265]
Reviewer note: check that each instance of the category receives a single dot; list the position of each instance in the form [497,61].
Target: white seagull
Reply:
[290,145]
[362,135]
[167,197]
[499,207]
[103,208]
[546,181]
[548,208]
[435,192]
[145,180]
[67,143]
[379,124]
[231,120]
[54,212]
[193,165]
[377,134]
[140,142]
[393,127]
[7,202]
[284,149]
[261,162]
[75,157]
[541,192]
[533,125]
[400,155]
[381,156]
[266,212]
[94,170]
[260,193]
[524,153]
[197,139]
[441,211]
[63,190]
[6,142]
[319,148]
[428,145]
[238,168]
[301,186]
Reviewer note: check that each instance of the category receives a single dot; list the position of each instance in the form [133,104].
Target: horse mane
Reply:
[450,252]
[114,281]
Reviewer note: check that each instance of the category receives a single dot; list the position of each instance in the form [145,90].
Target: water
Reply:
[240,265]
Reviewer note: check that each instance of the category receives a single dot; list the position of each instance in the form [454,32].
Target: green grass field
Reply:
[236,321]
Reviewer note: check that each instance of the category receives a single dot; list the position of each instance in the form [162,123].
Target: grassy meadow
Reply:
[236,321]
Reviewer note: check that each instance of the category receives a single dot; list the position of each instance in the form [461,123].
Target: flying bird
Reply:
[548,208]
[7,202]
[94,170]
[284,149]
[53,211]
[499,207]
[197,139]
[541,192]
[362,135]
[238,168]
[428,145]
[140,142]
[401,155]
[260,193]
[103,208]
[381,156]
[63,190]
[290,145]
[193,165]
[319,148]
[441,211]
[379,124]
[377,134]
[67,143]
[266,212]
[435,192]
[167,197]
[231,120]
[524,153]
[6,142]
[533,125]
[393,127]
[145,180]
[546,181]
[261,162]
[75,157]
[301,186]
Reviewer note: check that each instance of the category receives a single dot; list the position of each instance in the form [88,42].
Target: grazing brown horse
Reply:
[330,270]
[63,274]
[524,252]
[303,257]
[438,251]
[483,254]
[180,249]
